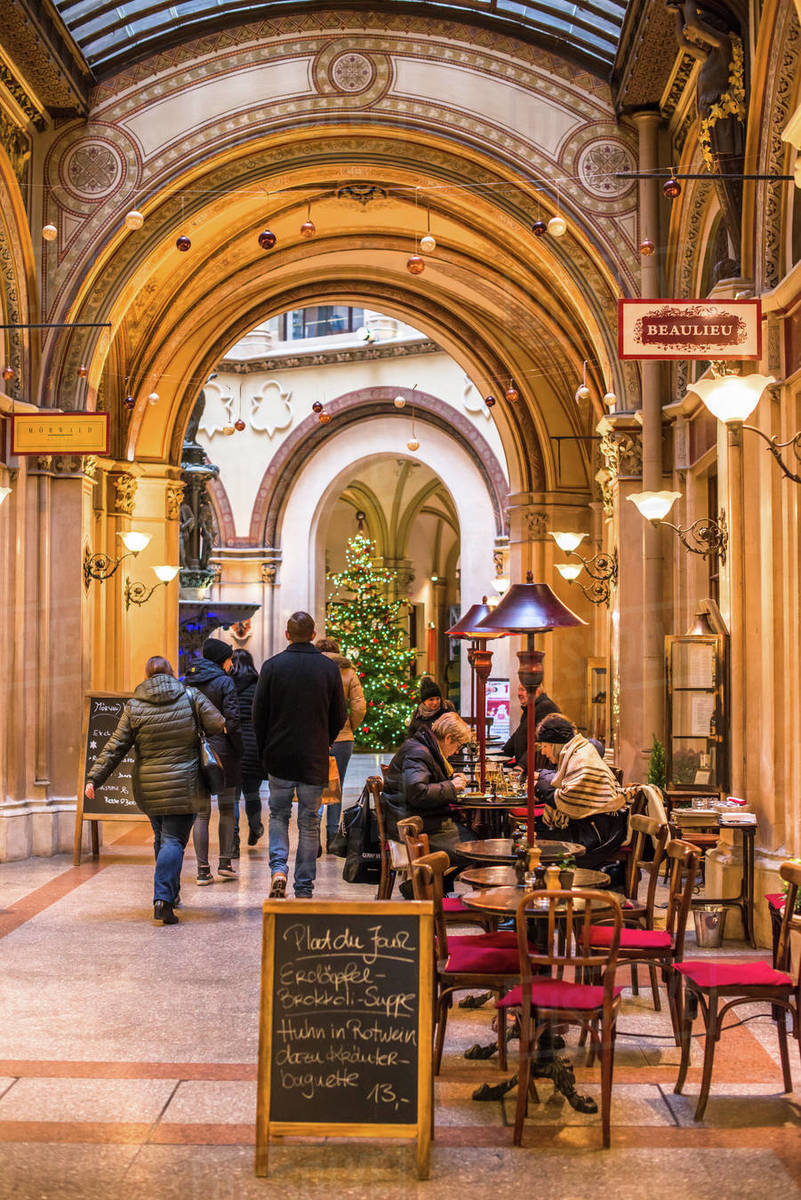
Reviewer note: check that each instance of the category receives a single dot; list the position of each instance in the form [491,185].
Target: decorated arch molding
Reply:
[351,408]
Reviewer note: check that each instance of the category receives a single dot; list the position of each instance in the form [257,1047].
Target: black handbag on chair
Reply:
[211,769]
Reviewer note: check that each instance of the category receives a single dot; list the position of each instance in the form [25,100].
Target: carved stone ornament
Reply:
[125,487]
[599,165]
[17,146]
[605,481]
[174,496]
[269,573]
[537,524]
[93,169]
[621,451]
[90,466]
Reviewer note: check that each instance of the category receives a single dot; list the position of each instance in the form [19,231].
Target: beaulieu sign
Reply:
[706,329]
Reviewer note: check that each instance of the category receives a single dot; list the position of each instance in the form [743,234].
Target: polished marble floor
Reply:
[128,1067]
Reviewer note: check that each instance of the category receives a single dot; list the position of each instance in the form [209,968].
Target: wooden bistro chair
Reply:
[661,948]
[708,981]
[634,913]
[394,859]
[464,962]
[544,999]
[455,912]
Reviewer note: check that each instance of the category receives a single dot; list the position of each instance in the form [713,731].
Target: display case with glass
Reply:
[596,699]
[697,713]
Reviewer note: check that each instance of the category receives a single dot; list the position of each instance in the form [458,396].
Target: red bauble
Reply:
[83,372]
[415,264]
[512,394]
[647,248]
[672,188]
[308,229]
[317,407]
[240,425]
[490,401]
[267,239]
[182,243]
[8,373]
[539,228]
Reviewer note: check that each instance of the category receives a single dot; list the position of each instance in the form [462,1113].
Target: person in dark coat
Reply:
[210,675]
[432,705]
[298,710]
[543,706]
[159,722]
[245,677]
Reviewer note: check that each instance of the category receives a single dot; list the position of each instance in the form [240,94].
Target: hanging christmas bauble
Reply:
[324,418]
[308,229]
[399,401]
[539,228]
[129,402]
[134,219]
[317,407]
[610,400]
[647,247]
[512,394]
[557,226]
[49,233]
[83,372]
[415,264]
[8,373]
[153,398]
[582,393]
[228,430]
[490,401]
[267,239]
[428,243]
[182,243]
[239,425]
[672,188]
[413,444]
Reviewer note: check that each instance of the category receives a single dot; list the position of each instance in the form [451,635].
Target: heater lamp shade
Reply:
[468,625]
[528,608]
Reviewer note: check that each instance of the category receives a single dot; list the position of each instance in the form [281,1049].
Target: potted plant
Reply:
[567,867]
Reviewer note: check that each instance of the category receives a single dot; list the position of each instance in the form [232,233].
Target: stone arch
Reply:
[18,294]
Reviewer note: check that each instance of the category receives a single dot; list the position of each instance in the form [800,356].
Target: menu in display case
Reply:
[697,712]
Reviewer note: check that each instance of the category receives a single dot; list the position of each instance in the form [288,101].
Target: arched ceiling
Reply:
[111,36]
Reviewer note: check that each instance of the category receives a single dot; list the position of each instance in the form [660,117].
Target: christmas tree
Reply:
[367,624]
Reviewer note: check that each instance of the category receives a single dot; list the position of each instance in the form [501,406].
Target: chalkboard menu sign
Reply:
[345,1034]
[114,800]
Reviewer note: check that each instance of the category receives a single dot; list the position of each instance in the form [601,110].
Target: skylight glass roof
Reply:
[111,35]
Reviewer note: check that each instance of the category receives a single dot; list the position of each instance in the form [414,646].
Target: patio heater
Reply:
[480,659]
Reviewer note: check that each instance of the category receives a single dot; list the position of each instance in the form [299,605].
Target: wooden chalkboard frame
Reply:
[422,1129]
[80,815]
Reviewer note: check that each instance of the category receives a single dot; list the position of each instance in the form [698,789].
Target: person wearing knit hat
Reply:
[432,705]
[210,675]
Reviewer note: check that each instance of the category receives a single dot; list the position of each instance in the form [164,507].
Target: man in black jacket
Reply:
[543,707]
[298,710]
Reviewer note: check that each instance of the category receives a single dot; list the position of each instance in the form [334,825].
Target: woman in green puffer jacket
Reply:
[159,722]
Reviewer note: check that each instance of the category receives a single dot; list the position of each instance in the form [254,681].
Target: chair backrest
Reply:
[384,769]
[643,827]
[791,920]
[375,787]
[413,838]
[684,859]
[570,914]
[428,872]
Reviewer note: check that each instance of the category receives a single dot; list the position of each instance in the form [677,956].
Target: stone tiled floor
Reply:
[128,1067]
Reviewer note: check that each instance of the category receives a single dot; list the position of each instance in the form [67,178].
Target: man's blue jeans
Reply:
[281,794]
[170,835]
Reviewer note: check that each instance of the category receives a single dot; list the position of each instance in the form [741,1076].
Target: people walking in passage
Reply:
[431,706]
[159,722]
[245,677]
[298,711]
[342,748]
[210,675]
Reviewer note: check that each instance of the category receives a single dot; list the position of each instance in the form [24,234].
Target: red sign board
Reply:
[705,329]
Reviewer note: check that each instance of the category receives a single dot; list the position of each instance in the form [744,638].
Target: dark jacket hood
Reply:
[159,689]
[202,670]
[245,680]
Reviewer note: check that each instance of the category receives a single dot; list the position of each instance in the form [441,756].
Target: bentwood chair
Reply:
[544,1000]
[394,859]
[708,981]
[455,912]
[487,961]
[635,913]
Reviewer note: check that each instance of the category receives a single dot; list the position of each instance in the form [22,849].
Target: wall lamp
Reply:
[601,568]
[4,491]
[139,593]
[705,536]
[102,566]
[732,398]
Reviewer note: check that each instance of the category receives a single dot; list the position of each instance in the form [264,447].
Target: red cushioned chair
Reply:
[549,1001]
[662,948]
[455,912]
[480,960]
[706,981]
[642,915]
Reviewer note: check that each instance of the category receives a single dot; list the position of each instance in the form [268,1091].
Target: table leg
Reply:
[547,1064]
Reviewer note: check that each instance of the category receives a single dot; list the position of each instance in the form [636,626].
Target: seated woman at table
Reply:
[583,801]
[420,782]
[432,706]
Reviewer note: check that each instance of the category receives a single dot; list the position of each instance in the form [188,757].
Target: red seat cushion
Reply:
[453,904]
[776,900]
[557,993]
[466,959]
[505,940]
[631,939]
[522,813]
[710,973]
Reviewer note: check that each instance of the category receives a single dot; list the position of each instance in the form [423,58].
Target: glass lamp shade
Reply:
[134,541]
[731,398]
[654,506]
[4,491]
[165,574]
[569,571]
[501,584]
[468,624]
[568,541]
[529,608]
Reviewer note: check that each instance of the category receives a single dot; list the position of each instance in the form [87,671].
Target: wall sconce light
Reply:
[705,536]
[4,491]
[139,593]
[732,398]
[601,568]
[102,566]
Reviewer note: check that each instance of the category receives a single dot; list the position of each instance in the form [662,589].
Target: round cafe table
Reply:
[503,902]
[499,850]
[493,877]
[494,809]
